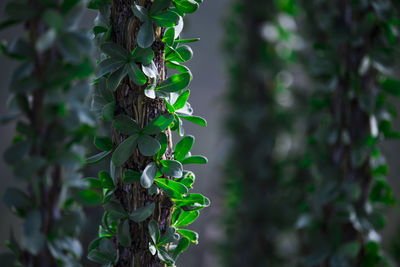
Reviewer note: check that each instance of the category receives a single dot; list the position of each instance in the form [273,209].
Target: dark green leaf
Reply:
[182,246]
[17,151]
[116,77]
[125,124]
[148,175]
[183,147]
[392,86]
[124,234]
[106,180]
[108,112]
[135,74]
[115,51]
[159,5]
[108,65]
[94,182]
[146,34]
[142,213]
[98,157]
[148,145]
[159,124]
[124,150]
[15,198]
[183,41]
[90,197]
[140,12]
[103,143]
[143,55]
[181,100]
[131,176]
[115,208]
[169,36]
[171,168]
[162,138]
[154,231]
[170,236]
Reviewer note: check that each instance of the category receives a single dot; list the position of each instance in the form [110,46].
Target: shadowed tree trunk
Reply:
[130,100]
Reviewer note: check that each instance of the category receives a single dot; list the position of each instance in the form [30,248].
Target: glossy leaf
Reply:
[148,175]
[171,188]
[171,168]
[183,147]
[125,124]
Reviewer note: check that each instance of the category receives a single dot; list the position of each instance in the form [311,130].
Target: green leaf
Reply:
[182,246]
[194,119]
[192,202]
[142,213]
[108,65]
[392,86]
[103,143]
[170,236]
[162,138]
[32,239]
[183,41]
[171,168]
[191,235]
[125,124]
[131,177]
[124,234]
[169,36]
[15,198]
[186,6]
[148,145]
[17,151]
[90,197]
[185,52]
[143,55]
[175,83]
[115,51]
[154,231]
[106,180]
[98,157]
[171,188]
[94,182]
[159,124]
[99,29]
[166,19]
[53,18]
[116,77]
[186,218]
[194,160]
[181,100]
[108,112]
[145,36]
[135,74]
[148,175]
[140,12]
[183,147]
[159,5]
[164,256]
[114,207]
[124,150]
[101,257]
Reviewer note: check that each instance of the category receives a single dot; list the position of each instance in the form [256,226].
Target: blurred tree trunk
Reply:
[130,100]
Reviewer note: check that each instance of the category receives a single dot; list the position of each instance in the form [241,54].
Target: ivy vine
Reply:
[164,173]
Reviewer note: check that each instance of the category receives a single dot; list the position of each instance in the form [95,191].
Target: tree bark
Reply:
[130,100]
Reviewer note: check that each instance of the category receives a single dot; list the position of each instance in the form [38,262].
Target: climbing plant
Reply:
[352,55]
[261,173]
[146,194]
[47,104]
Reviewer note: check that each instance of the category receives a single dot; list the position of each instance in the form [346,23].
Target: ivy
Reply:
[47,103]
[163,173]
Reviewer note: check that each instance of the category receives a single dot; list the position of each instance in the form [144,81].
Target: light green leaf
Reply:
[182,246]
[194,119]
[159,124]
[186,6]
[183,147]
[191,235]
[166,19]
[171,188]
[169,36]
[106,180]
[194,160]
[175,83]
[181,100]
[124,150]
[186,218]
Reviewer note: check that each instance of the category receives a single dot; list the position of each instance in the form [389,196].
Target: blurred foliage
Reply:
[352,49]
[47,103]
[262,169]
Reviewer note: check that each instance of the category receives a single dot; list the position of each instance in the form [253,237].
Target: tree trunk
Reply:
[130,100]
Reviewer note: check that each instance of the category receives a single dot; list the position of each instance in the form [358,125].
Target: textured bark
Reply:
[130,100]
